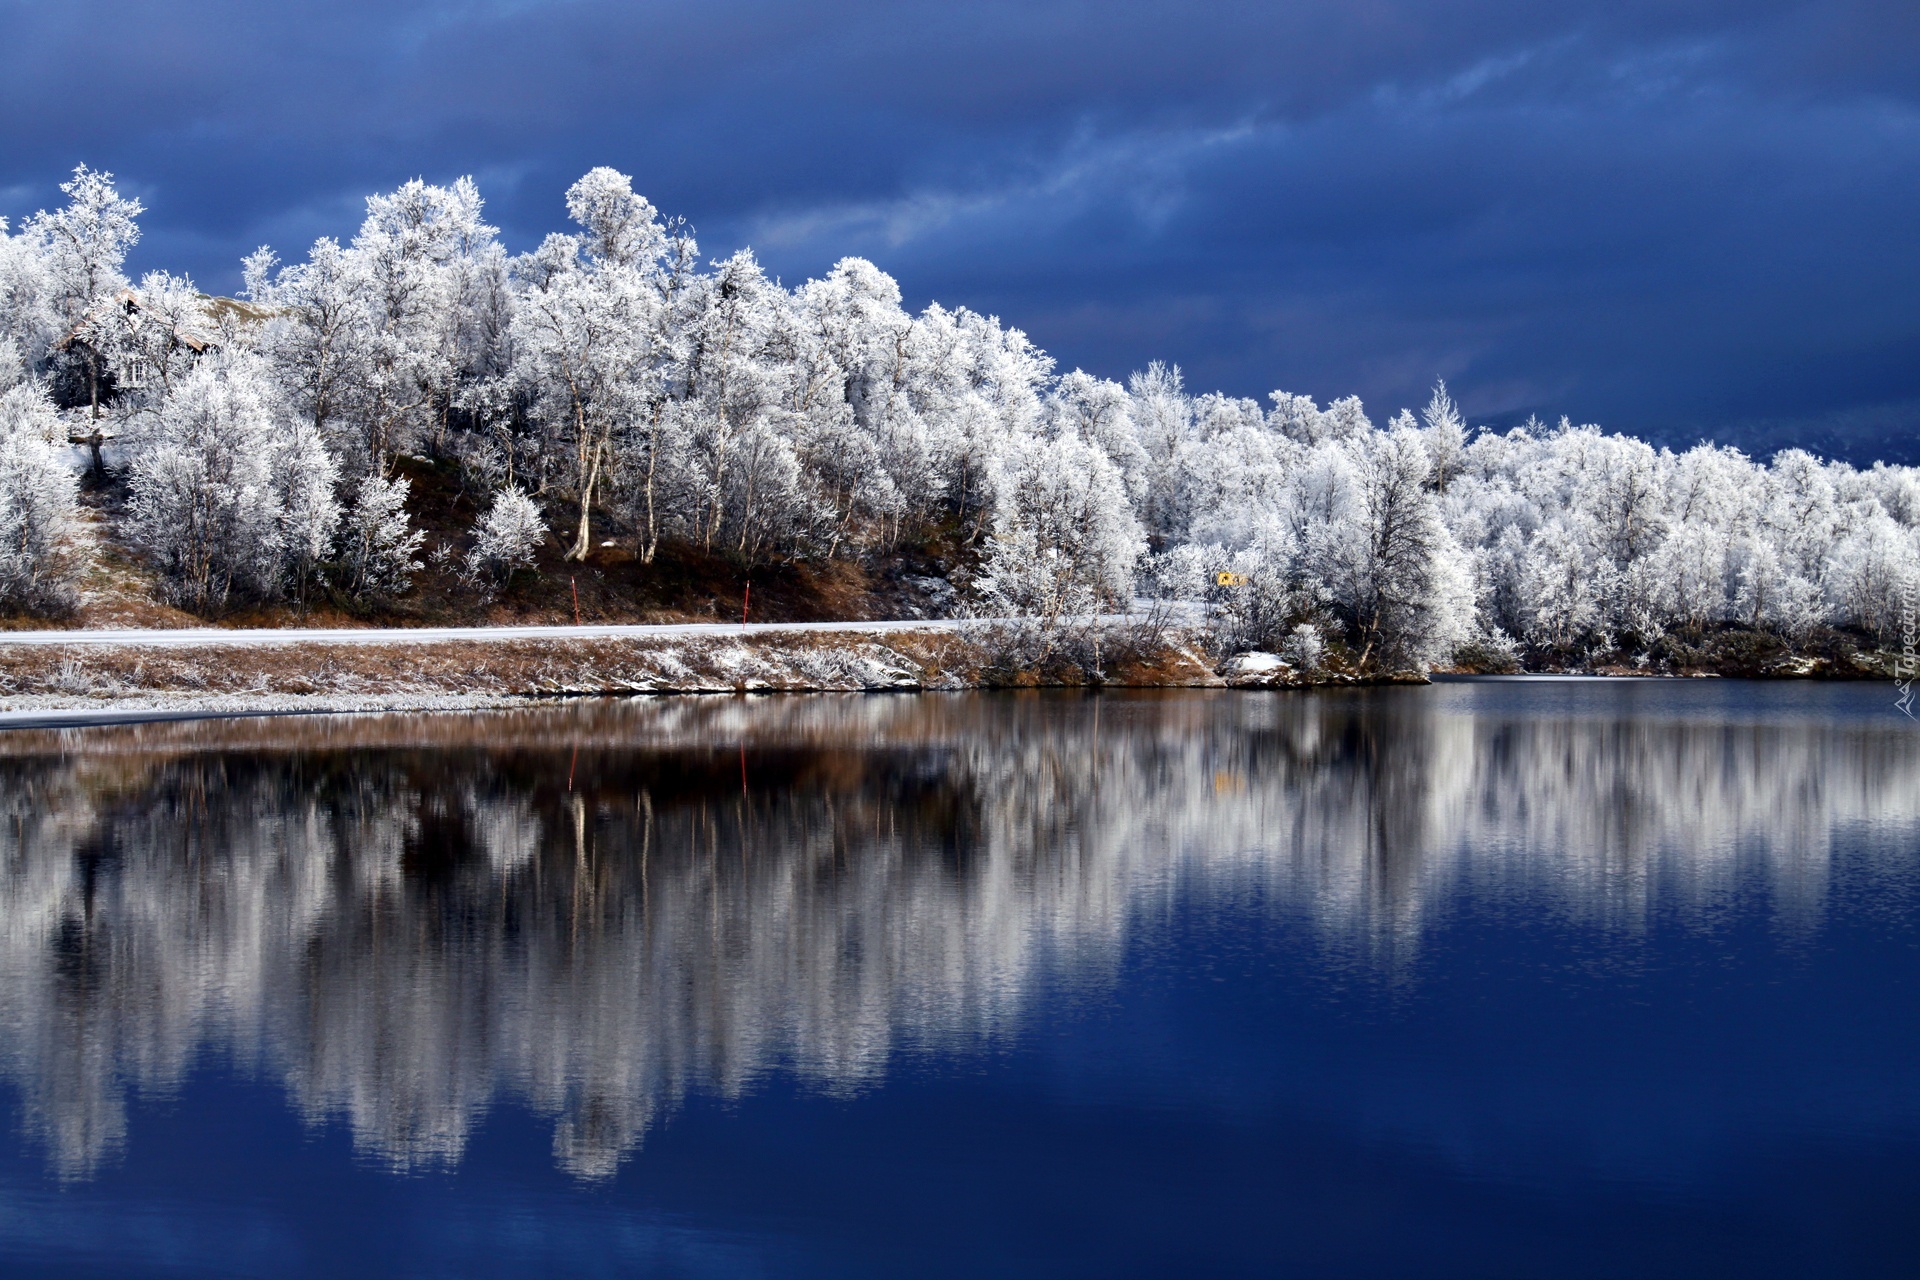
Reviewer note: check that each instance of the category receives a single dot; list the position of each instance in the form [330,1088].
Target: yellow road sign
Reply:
[1225,579]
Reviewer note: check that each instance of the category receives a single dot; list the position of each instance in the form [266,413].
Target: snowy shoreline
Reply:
[151,675]
[458,675]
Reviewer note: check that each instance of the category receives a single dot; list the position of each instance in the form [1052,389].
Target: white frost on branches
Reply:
[378,544]
[230,499]
[637,396]
[506,537]
[39,559]
[1064,538]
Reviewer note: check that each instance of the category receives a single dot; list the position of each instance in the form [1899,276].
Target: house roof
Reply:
[218,309]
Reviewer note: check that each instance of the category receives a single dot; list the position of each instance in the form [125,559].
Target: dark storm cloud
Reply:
[1680,219]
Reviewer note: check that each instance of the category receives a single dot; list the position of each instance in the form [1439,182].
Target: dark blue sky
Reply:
[1678,219]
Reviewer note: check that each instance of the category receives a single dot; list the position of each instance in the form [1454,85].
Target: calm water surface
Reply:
[1493,979]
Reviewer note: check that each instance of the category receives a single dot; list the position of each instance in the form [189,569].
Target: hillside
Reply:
[417,427]
[122,588]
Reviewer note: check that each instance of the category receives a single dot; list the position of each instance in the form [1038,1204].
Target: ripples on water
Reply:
[1351,912]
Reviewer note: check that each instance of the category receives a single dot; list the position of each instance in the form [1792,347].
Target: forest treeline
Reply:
[613,389]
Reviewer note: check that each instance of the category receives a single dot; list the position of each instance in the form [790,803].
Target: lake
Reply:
[1496,978]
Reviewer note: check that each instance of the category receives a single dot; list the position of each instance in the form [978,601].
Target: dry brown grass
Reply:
[528,668]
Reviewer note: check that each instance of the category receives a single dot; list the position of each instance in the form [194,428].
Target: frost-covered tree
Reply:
[1162,418]
[1873,570]
[1386,580]
[843,358]
[378,543]
[29,322]
[616,381]
[728,389]
[83,246]
[398,262]
[620,229]
[588,334]
[1065,541]
[1445,436]
[40,560]
[1101,413]
[202,491]
[317,339]
[307,517]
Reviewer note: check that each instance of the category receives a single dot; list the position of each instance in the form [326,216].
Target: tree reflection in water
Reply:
[597,908]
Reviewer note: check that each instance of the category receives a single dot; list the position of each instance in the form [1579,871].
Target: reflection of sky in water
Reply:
[1517,934]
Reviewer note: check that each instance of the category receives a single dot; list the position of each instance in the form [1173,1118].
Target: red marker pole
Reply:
[748,600]
[575,583]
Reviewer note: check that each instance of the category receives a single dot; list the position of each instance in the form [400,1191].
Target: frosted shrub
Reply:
[1492,652]
[1304,648]
[506,537]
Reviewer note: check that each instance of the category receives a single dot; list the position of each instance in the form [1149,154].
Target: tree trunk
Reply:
[653,463]
[583,540]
